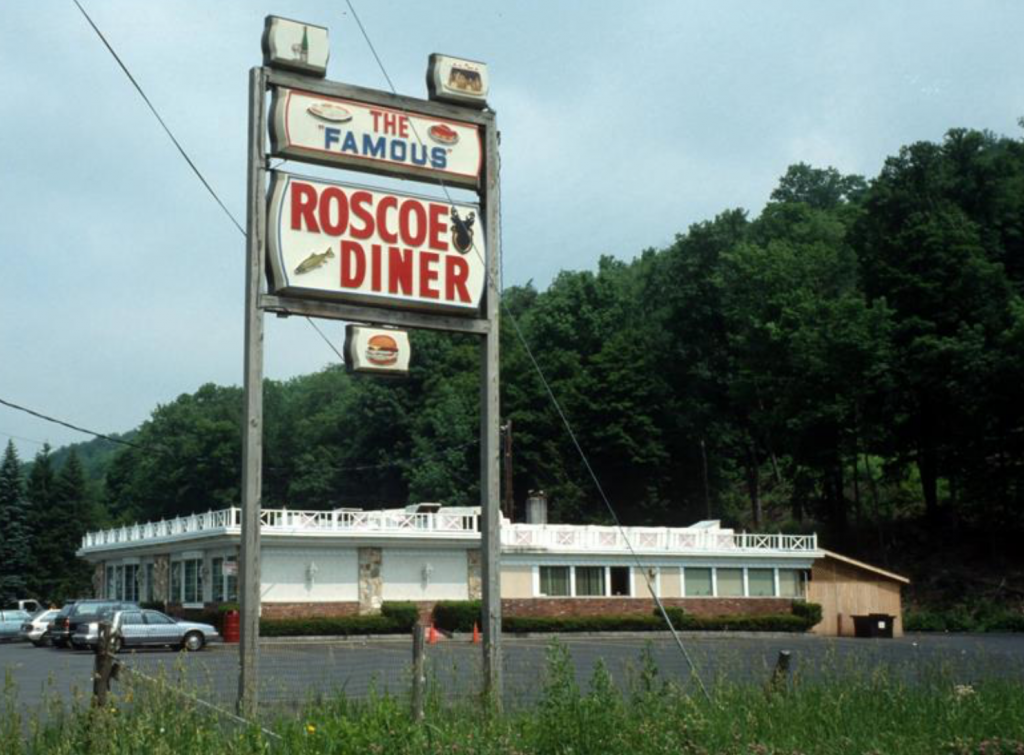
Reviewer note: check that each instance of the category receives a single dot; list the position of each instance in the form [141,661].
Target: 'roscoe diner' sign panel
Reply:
[368,137]
[341,242]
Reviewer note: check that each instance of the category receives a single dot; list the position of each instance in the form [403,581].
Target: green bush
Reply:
[983,616]
[637,623]
[405,613]
[743,623]
[337,626]
[457,615]
[394,618]
[809,611]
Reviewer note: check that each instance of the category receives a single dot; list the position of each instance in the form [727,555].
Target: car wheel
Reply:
[38,643]
[193,641]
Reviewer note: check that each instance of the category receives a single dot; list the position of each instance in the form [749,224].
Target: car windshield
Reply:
[66,610]
[90,609]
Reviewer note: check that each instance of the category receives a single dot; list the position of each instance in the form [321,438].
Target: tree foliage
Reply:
[853,354]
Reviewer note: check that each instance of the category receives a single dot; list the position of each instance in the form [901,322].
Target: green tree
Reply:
[15,538]
[43,517]
[75,515]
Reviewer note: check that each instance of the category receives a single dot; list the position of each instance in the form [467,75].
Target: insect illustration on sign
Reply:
[462,231]
[314,260]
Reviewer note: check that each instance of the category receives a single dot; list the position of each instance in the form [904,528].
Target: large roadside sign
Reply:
[344,242]
[366,137]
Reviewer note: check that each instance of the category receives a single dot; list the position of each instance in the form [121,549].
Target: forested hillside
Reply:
[850,361]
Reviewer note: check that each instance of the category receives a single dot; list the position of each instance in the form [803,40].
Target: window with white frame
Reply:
[761,583]
[148,589]
[110,582]
[730,583]
[697,582]
[791,583]
[590,581]
[224,586]
[187,581]
[619,579]
[554,581]
[130,584]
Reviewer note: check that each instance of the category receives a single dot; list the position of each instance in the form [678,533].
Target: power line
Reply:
[69,425]
[181,150]
[165,127]
[547,386]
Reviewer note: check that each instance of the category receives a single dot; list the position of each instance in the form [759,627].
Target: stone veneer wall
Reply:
[371,581]
[99,584]
[475,579]
[161,578]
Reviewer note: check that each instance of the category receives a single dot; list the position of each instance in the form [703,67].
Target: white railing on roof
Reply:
[289,521]
[665,539]
[460,524]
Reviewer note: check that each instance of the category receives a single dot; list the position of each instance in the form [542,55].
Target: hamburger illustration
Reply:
[382,350]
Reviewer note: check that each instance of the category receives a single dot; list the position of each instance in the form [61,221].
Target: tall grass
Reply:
[838,710]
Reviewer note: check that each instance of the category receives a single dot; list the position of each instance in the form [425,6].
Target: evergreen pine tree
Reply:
[42,517]
[73,517]
[14,533]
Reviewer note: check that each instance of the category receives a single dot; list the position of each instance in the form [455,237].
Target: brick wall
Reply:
[304,610]
[645,606]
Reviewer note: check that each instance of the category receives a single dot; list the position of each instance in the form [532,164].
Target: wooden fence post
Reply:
[419,680]
[103,667]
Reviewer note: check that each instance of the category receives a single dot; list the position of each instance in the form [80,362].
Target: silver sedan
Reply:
[34,630]
[148,628]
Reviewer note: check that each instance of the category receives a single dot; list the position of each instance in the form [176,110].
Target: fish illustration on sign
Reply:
[462,231]
[314,260]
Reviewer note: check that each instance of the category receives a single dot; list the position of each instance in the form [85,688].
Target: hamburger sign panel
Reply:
[376,349]
[367,137]
[336,241]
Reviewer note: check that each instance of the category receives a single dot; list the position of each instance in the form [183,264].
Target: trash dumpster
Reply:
[874,625]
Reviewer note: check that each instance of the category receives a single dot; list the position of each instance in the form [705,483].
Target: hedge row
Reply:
[460,615]
[457,615]
[394,618]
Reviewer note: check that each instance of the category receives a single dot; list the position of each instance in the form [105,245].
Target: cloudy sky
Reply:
[121,281]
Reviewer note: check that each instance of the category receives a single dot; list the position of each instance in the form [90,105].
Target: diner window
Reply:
[730,583]
[590,580]
[110,582]
[131,584]
[193,578]
[118,583]
[761,583]
[554,581]
[791,583]
[148,590]
[620,581]
[697,581]
[225,579]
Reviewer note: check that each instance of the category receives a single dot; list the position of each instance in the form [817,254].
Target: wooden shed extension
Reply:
[846,588]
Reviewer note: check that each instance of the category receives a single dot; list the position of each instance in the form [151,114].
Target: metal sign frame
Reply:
[257,301]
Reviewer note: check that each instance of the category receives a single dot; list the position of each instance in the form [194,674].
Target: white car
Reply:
[146,628]
[34,629]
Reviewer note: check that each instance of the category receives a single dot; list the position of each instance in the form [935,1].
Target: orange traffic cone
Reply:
[476,633]
[432,635]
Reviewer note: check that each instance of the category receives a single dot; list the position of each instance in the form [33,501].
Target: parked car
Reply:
[83,613]
[138,628]
[10,623]
[35,629]
[30,605]
[54,634]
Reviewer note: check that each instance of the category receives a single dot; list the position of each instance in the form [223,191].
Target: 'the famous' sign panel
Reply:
[337,241]
[367,137]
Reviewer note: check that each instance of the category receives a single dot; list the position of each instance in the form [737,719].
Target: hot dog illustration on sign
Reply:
[462,231]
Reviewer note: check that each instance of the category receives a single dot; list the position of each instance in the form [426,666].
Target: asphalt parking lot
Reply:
[295,672]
